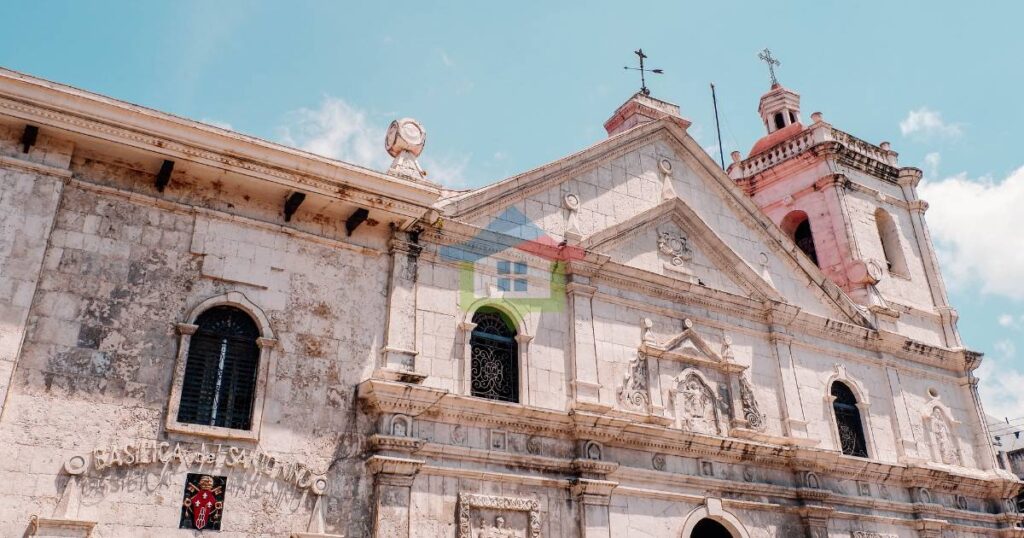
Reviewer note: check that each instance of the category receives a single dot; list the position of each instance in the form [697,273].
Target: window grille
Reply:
[220,371]
[495,368]
[848,421]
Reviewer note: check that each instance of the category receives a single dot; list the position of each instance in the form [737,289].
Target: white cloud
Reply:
[341,131]
[1001,383]
[448,171]
[1006,320]
[931,164]
[338,130]
[446,60]
[927,123]
[976,225]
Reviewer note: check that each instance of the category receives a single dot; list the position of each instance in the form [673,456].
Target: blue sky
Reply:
[503,87]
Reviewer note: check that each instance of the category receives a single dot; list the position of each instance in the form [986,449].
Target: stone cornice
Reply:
[68,109]
[615,431]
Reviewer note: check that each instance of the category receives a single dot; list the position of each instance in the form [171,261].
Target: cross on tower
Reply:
[766,57]
[643,82]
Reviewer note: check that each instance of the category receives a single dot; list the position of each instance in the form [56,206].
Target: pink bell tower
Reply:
[851,209]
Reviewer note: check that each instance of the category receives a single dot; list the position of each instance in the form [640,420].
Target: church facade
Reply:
[204,332]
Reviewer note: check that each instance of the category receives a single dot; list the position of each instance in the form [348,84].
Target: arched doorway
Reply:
[709,528]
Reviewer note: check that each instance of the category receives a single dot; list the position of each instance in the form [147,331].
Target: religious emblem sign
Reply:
[203,502]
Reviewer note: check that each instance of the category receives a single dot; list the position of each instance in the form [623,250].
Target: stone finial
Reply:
[816,117]
[404,141]
[736,156]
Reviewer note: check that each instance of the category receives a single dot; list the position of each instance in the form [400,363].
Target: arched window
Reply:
[848,421]
[219,385]
[495,357]
[780,122]
[709,528]
[798,226]
[889,235]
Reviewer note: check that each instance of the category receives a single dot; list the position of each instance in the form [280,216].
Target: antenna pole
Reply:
[721,151]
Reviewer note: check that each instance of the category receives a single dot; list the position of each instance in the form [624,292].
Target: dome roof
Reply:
[772,139]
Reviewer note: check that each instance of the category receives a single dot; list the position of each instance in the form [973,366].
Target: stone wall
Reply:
[121,269]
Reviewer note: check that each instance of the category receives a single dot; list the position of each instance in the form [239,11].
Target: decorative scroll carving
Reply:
[658,462]
[751,413]
[945,447]
[675,246]
[635,393]
[499,526]
[869,534]
[696,405]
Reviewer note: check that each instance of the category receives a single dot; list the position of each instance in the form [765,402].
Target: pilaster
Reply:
[906,441]
[794,422]
[393,478]
[594,497]
[585,384]
[399,352]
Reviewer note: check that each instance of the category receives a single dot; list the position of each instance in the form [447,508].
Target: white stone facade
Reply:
[674,349]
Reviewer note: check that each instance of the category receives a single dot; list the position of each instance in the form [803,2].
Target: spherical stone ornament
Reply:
[405,134]
[571,201]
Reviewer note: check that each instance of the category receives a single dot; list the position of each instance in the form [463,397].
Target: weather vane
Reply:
[766,57]
[643,81]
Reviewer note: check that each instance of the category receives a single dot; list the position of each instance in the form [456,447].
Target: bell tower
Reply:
[853,211]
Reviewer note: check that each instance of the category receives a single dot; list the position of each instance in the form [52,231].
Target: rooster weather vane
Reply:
[643,81]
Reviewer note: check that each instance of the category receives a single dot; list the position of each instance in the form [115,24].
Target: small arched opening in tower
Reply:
[797,226]
[892,247]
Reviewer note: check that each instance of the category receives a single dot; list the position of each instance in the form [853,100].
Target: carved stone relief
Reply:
[533,444]
[869,534]
[658,462]
[458,435]
[751,413]
[487,516]
[696,406]
[676,246]
[945,445]
[635,393]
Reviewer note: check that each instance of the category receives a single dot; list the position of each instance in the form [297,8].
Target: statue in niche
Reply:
[498,530]
[695,407]
[944,447]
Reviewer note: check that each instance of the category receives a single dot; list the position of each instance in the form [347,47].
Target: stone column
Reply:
[585,384]
[392,492]
[594,497]
[399,352]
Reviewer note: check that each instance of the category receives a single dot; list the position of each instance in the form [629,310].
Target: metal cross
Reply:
[766,57]
[643,82]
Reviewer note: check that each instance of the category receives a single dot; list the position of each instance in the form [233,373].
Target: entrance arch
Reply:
[712,521]
[709,528]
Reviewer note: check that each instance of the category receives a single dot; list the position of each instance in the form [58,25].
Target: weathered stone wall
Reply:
[28,202]
[95,371]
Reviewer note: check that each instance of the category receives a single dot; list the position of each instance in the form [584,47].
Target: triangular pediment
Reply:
[689,347]
[623,185]
[672,240]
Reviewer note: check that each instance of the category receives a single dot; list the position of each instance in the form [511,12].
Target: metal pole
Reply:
[721,152]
